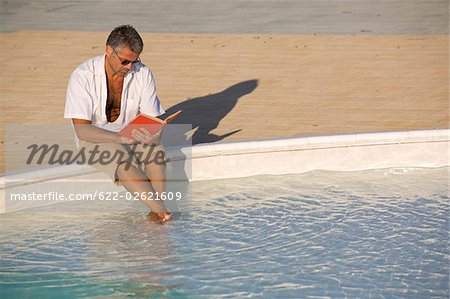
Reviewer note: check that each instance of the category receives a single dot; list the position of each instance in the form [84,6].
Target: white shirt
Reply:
[87,94]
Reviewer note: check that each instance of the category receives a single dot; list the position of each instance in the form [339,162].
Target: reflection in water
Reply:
[80,251]
[132,248]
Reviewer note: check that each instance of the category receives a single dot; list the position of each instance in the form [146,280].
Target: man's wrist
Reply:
[117,138]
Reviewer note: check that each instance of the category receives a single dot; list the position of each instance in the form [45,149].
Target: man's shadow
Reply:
[205,113]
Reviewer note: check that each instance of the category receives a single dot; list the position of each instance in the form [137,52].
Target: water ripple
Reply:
[321,234]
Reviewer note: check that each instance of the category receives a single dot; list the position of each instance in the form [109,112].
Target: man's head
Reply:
[123,47]
[125,36]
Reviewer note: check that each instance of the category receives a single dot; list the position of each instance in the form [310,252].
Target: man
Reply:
[104,94]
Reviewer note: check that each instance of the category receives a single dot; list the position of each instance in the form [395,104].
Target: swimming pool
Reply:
[377,233]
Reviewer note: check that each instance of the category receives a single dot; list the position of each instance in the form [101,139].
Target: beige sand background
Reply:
[307,84]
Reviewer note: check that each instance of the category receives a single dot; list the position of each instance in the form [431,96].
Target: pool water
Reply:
[377,234]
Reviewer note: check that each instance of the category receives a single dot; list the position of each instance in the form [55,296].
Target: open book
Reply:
[150,123]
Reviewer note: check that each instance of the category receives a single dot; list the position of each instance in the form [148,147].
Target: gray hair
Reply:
[125,36]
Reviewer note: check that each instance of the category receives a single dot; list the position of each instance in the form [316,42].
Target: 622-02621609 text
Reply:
[139,195]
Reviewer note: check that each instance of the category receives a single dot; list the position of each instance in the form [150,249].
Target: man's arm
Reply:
[87,132]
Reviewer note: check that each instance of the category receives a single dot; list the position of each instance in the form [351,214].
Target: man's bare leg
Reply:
[138,184]
[156,173]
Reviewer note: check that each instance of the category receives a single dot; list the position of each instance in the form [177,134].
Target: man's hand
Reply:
[125,140]
[145,137]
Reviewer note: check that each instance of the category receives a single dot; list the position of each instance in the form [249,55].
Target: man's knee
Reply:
[154,154]
[124,168]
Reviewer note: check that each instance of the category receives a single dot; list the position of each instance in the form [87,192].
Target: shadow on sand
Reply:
[205,113]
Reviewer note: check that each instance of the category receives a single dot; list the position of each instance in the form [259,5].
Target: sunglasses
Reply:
[126,61]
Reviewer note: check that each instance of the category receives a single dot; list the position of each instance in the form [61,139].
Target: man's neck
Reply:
[111,75]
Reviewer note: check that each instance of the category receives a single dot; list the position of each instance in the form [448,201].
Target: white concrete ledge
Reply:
[350,152]
[318,142]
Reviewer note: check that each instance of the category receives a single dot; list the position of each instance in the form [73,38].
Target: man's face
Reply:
[121,60]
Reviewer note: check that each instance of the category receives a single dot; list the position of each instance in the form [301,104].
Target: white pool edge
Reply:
[349,152]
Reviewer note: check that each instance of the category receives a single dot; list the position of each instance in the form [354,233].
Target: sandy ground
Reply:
[258,86]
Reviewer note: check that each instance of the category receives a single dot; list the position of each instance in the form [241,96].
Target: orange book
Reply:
[150,123]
